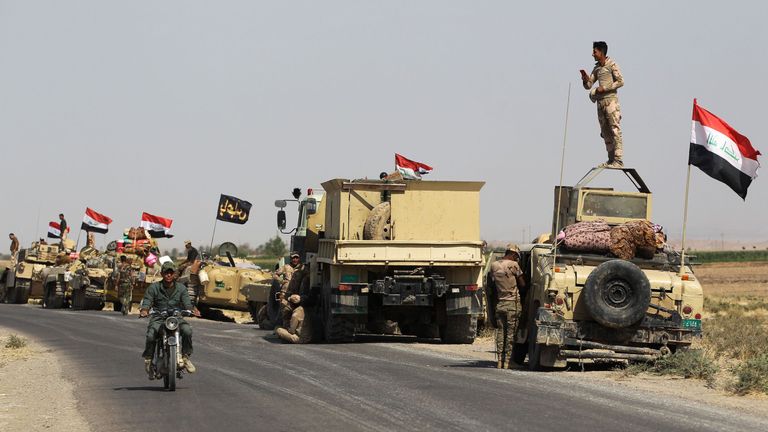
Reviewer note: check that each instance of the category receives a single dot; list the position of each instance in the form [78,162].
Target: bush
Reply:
[687,364]
[15,342]
[702,257]
[734,334]
[752,375]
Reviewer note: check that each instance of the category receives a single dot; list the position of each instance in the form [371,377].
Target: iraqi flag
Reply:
[156,226]
[721,152]
[409,169]
[54,230]
[95,222]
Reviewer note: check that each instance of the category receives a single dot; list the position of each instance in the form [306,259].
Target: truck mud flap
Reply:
[468,304]
[349,304]
[549,328]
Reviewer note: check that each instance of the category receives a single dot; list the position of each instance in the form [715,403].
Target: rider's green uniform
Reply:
[160,298]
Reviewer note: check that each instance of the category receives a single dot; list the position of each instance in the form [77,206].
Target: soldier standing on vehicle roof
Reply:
[300,327]
[192,256]
[62,229]
[124,282]
[167,294]
[607,75]
[14,249]
[508,278]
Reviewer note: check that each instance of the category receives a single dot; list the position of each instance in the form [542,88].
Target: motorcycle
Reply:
[167,361]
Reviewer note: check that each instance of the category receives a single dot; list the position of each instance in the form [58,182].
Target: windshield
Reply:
[596,204]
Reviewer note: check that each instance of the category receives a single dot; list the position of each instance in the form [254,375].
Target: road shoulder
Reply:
[34,396]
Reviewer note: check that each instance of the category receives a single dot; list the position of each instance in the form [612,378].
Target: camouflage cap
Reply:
[511,247]
[295,254]
[187,242]
[168,266]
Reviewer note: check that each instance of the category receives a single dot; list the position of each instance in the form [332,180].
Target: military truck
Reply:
[587,307]
[226,282]
[25,280]
[392,252]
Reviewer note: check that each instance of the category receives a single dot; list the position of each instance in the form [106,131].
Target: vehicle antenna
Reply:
[560,187]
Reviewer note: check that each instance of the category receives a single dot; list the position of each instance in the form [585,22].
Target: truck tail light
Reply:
[687,310]
[697,316]
[688,277]
[471,287]
[344,287]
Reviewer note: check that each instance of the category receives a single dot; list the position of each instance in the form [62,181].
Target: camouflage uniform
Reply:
[14,251]
[284,275]
[300,330]
[505,273]
[299,285]
[125,280]
[608,77]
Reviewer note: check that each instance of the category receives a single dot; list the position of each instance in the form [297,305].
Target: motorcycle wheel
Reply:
[172,366]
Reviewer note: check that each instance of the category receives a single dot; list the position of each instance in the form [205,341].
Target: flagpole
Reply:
[210,249]
[685,221]
[560,187]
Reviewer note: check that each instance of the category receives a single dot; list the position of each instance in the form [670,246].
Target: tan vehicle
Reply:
[136,256]
[588,307]
[26,282]
[392,257]
[87,279]
[226,282]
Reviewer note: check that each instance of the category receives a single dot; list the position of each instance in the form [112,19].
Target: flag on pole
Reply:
[156,226]
[721,152]
[54,230]
[411,170]
[233,209]
[95,222]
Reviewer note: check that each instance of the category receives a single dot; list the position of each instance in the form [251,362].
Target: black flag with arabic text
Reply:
[233,210]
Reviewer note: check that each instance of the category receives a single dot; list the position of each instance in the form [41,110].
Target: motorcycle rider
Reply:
[167,294]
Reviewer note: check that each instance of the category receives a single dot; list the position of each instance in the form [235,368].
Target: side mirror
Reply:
[311,206]
[281,219]
[280,204]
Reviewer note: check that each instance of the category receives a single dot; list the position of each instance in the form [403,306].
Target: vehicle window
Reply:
[599,205]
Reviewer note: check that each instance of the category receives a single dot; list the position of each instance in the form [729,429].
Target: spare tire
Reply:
[617,294]
[377,224]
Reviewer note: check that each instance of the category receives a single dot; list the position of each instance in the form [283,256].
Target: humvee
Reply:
[588,307]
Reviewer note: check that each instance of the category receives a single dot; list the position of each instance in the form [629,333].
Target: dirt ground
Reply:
[33,394]
[734,279]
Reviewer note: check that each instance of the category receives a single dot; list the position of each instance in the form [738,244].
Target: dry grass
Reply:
[15,342]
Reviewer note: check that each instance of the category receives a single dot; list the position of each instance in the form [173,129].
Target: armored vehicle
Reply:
[392,257]
[87,279]
[226,282]
[138,248]
[585,307]
[26,281]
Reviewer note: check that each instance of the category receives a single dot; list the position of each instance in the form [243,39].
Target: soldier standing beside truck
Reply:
[285,273]
[124,282]
[609,79]
[508,278]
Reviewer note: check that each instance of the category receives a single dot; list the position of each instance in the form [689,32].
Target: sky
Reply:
[161,106]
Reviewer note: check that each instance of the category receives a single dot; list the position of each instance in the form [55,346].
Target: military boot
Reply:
[148,368]
[188,365]
[617,163]
[500,364]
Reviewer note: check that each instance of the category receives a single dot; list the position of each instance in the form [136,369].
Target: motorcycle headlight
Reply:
[171,323]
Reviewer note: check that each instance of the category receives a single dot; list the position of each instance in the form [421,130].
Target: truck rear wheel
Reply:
[617,294]
[377,224]
[459,329]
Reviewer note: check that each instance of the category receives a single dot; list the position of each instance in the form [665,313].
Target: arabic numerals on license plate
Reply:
[692,323]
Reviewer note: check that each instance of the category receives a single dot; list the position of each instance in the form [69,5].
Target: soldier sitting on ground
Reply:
[300,326]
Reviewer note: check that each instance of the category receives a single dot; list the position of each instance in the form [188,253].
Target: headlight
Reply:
[171,323]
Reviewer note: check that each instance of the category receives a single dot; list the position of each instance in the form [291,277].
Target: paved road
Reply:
[248,381]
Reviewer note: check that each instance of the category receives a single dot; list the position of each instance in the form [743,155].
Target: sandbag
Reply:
[634,238]
[592,236]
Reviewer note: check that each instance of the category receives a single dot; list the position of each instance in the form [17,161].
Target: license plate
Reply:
[692,324]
